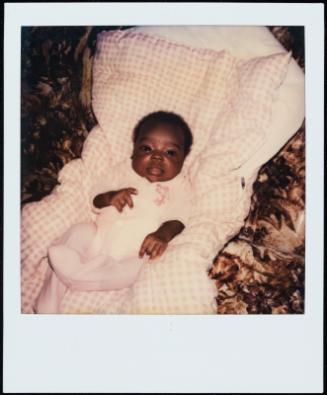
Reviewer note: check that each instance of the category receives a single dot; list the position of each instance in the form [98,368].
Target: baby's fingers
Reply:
[118,204]
[148,246]
[132,191]
[155,251]
[129,200]
[143,248]
[158,250]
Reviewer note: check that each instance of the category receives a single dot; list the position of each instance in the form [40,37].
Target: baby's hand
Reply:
[120,198]
[153,245]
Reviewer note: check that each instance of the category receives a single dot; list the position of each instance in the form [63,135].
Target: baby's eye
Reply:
[171,152]
[145,148]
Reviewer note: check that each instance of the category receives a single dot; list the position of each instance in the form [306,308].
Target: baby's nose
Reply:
[156,155]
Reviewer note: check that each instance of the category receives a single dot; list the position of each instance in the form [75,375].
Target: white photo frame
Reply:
[164,353]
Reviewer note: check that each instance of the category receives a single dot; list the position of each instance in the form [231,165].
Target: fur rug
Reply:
[261,270]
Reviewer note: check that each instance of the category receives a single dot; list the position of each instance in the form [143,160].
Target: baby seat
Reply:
[242,96]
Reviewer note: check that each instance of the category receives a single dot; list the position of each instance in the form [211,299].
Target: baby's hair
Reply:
[171,119]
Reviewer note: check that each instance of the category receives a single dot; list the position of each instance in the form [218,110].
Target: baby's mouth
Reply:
[155,171]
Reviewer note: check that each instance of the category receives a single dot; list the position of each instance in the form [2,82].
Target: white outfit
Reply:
[155,203]
[104,255]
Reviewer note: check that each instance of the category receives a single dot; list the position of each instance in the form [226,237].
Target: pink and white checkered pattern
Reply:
[226,101]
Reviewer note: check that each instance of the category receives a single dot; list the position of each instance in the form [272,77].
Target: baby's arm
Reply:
[118,199]
[156,243]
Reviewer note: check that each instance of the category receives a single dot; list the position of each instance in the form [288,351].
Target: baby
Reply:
[139,211]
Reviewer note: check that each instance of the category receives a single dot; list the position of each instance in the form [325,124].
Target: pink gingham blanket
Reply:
[226,101]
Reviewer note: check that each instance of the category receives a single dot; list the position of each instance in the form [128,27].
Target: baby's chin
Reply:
[157,177]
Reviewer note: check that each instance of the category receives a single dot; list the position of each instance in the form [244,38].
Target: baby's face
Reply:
[158,154]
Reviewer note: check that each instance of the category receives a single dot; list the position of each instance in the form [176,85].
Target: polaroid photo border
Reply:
[178,353]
